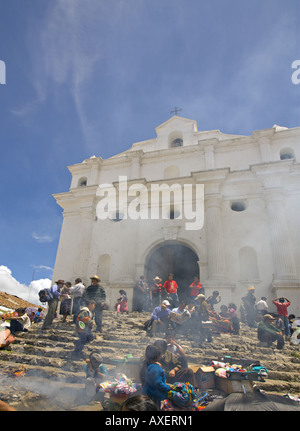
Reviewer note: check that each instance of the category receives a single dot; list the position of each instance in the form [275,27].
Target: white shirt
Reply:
[262,305]
[24,320]
[77,290]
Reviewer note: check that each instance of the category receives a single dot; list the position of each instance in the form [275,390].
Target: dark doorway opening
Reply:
[179,259]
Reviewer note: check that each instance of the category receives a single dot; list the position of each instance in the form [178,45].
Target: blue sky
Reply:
[92,77]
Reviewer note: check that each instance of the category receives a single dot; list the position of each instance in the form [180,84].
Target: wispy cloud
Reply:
[67,54]
[49,268]
[42,238]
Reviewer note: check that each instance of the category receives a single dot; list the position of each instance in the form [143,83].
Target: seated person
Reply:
[138,403]
[153,376]
[19,322]
[160,318]
[6,338]
[172,366]
[179,317]
[38,316]
[96,373]
[121,305]
[176,349]
[214,299]
[201,320]
[267,332]
[220,325]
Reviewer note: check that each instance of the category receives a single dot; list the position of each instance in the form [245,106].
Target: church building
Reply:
[249,214]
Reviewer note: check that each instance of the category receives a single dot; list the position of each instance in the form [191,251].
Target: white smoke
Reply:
[29,293]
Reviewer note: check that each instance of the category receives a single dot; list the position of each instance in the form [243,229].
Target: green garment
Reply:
[267,327]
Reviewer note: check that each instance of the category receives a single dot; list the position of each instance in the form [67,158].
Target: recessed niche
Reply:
[238,206]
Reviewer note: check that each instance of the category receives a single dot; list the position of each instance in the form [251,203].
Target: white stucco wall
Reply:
[232,169]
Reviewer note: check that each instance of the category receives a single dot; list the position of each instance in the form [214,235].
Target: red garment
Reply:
[282,308]
[170,286]
[195,288]
[156,288]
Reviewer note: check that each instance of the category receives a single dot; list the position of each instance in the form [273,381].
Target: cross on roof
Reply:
[176,110]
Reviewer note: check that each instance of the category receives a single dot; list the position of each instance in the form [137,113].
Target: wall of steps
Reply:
[49,373]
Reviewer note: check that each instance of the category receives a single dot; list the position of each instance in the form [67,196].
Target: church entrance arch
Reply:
[175,257]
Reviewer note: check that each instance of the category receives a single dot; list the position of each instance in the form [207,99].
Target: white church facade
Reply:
[250,233]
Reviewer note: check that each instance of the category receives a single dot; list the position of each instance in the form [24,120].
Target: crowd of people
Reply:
[192,315]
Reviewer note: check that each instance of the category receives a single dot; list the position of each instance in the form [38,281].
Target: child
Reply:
[233,317]
[214,299]
[96,373]
[121,305]
[154,385]
[38,316]
[84,326]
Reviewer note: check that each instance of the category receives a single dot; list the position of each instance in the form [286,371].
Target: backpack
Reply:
[45,295]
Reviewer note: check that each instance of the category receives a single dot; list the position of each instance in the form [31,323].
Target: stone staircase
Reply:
[38,374]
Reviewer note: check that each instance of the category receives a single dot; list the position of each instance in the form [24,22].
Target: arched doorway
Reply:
[173,257]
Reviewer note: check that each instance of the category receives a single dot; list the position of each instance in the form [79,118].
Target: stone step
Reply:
[279,386]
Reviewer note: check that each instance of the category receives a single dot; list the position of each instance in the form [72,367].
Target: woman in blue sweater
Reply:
[154,383]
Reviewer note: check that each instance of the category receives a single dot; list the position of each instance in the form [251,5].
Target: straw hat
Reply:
[201,296]
[95,277]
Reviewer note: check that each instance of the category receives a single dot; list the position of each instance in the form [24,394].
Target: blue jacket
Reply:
[155,383]
[160,313]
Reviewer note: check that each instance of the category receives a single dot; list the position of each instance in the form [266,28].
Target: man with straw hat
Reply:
[97,293]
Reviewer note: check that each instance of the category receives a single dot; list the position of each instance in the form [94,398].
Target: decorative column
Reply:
[215,240]
[283,258]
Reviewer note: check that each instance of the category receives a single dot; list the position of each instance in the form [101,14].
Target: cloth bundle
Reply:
[222,367]
[182,394]
[121,385]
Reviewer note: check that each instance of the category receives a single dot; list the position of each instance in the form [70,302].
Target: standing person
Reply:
[282,304]
[153,376]
[156,291]
[148,298]
[77,293]
[52,304]
[262,306]
[171,288]
[97,293]
[249,301]
[84,324]
[66,303]
[195,289]
[139,295]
